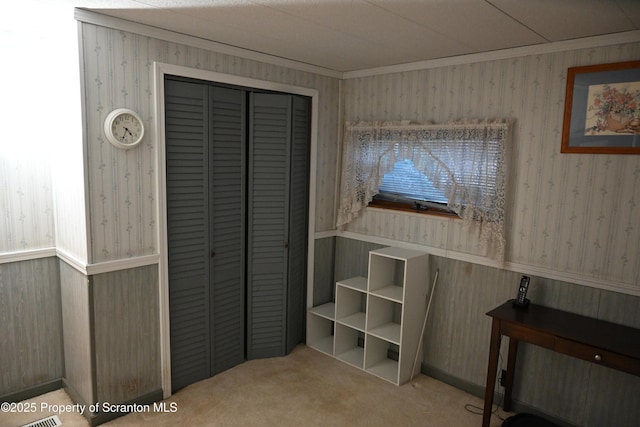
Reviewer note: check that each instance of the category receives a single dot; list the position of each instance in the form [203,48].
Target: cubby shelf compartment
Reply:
[377,359]
[384,319]
[356,283]
[328,310]
[386,277]
[320,332]
[350,307]
[349,345]
[375,323]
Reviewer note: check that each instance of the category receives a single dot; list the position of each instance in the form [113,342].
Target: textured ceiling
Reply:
[349,35]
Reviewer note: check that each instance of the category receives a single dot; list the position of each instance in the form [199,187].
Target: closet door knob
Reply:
[213,254]
[286,245]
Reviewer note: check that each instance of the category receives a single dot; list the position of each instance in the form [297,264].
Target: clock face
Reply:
[123,128]
[126,128]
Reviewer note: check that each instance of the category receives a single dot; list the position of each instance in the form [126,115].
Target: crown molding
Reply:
[96,18]
[539,49]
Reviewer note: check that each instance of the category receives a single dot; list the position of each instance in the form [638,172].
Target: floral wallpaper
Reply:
[26,203]
[575,215]
[118,72]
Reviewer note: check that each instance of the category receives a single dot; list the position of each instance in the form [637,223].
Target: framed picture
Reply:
[602,109]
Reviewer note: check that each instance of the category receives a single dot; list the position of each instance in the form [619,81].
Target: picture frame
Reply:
[602,109]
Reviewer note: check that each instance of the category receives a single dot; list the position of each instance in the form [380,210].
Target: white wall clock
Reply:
[124,128]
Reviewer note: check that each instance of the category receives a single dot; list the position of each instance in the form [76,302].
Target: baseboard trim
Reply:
[464,385]
[478,391]
[29,392]
[75,396]
[98,418]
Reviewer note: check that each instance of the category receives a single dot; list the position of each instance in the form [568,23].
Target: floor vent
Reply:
[52,421]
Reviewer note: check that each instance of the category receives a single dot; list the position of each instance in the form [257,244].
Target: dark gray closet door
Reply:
[237,223]
[227,212]
[268,224]
[187,154]
[205,218]
[298,222]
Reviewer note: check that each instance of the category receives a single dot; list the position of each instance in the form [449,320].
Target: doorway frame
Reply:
[160,70]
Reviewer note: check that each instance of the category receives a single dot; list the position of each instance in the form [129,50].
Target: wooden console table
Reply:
[605,343]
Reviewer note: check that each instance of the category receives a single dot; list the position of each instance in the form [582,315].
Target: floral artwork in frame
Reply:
[602,109]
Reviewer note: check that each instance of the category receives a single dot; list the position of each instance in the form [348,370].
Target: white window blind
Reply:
[405,182]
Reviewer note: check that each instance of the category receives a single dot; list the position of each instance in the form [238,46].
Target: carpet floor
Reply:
[305,388]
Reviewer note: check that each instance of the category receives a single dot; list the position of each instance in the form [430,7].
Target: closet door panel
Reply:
[298,222]
[269,139]
[227,194]
[188,231]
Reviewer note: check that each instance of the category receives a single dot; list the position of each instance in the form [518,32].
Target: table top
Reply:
[575,327]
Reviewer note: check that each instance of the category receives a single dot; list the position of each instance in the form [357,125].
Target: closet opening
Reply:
[237,197]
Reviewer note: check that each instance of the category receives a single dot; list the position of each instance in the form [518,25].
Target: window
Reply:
[406,188]
[462,165]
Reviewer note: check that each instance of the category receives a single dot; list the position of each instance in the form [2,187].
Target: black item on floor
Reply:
[527,420]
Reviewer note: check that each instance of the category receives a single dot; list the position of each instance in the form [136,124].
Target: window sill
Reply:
[380,204]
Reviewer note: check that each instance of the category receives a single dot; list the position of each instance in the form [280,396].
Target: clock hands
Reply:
[126,129]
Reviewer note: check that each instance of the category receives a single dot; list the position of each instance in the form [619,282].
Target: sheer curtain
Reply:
[466,160]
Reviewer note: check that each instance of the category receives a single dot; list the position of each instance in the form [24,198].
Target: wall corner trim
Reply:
[72,261]
[122,264]
[107,266]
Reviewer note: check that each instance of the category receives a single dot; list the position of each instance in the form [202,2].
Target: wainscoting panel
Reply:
[456,339]
[352,258]
[554,383]
[76,319]
[127,333]
[612,398]
[456,342]
[323,272]
[31,318]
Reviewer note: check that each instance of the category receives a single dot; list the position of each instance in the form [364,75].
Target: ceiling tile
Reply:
[631,8]
[474,23]
[568,19]
[349,35]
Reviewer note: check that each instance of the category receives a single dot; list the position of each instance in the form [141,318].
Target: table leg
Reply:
[511,366]
[494,351]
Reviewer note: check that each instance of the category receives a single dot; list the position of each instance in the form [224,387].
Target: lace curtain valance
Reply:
[466,160]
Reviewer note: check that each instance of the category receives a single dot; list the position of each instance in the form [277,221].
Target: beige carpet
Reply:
[306,388]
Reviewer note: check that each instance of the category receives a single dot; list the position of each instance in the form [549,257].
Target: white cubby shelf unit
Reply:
[375,322]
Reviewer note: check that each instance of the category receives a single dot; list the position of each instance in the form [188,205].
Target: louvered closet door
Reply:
[188,231]
[268,220]
[298,222]
[205,218]
[227,195]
